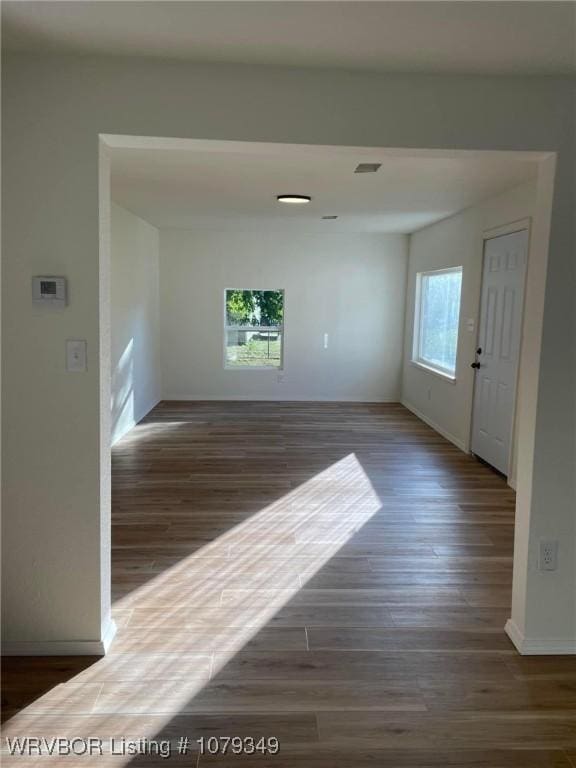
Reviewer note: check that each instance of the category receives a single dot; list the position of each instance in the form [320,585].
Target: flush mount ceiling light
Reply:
[294,199]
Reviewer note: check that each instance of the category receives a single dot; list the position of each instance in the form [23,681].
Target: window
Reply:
[436,321]
[254,328]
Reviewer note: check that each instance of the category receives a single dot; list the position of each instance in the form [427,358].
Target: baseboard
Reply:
[147,408]
[61,647]
[458,443]
[539,647]
[137,418]
[514,634]
[108,635]
[278,398]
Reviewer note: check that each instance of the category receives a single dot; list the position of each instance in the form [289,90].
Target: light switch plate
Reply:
[76,355]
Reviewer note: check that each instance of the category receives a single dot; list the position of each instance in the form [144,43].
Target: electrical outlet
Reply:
[548,556]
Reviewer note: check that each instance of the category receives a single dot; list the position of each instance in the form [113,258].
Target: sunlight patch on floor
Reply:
[217,605]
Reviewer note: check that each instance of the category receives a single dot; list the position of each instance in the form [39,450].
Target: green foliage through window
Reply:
[254,328]
[254,308]
[439,317]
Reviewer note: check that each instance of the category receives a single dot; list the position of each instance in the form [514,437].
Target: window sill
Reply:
[445,376]
[252,368]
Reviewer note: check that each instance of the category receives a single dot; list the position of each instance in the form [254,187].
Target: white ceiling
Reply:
[229,189]
[457,37]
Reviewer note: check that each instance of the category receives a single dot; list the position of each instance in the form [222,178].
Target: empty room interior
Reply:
[288,384]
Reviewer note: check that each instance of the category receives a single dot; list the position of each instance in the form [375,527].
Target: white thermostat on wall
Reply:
[49,290]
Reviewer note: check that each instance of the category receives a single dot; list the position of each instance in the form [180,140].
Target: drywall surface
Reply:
[456,241]
[135,323]
[56,457]
[351,287]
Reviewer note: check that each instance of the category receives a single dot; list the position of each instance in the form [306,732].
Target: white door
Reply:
[498,347]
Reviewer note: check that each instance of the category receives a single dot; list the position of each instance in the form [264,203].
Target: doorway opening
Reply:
[399,218]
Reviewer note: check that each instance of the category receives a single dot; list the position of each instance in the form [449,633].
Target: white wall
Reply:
[56,501]
[135,322]
[457,241]
[349,286]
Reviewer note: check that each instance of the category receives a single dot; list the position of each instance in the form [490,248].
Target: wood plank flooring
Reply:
[333,575]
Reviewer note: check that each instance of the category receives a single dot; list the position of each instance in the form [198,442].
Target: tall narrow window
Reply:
[254,328]
[436,320]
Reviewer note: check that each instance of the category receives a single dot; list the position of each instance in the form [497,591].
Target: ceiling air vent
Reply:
[367,167]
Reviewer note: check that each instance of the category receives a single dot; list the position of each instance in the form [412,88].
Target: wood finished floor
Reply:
[334,575]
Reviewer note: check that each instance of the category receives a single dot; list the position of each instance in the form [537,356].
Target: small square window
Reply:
[253,329]
[436,319]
